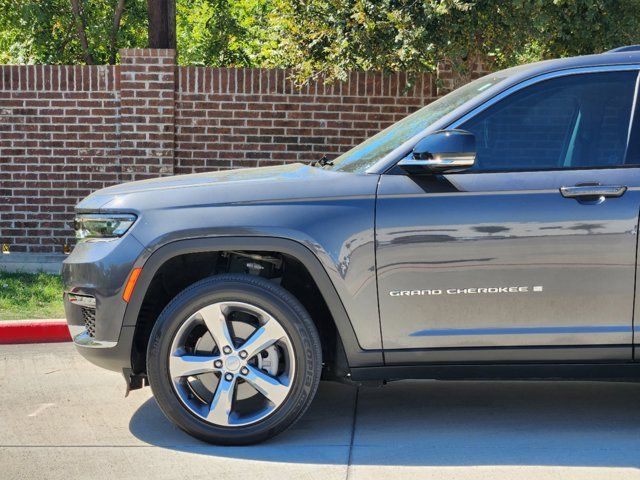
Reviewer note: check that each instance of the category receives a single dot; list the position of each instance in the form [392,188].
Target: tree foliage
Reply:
[47,31]
[328,37]
[334,36]
[224,32]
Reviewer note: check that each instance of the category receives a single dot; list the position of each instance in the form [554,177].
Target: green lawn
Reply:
[30,295]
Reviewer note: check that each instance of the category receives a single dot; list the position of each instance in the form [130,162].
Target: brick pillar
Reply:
[147,88]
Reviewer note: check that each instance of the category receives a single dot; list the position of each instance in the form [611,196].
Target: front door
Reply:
[530,255]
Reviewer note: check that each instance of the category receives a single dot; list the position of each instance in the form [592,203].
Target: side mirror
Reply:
[442,151]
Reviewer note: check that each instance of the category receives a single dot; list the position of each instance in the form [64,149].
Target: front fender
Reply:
[151,263]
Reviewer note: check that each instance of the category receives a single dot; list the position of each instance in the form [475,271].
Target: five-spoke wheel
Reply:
[234,359]
[242,375]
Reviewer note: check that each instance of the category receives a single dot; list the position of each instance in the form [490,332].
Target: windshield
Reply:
[360,158]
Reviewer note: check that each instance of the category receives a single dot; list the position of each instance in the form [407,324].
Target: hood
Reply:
[282,182]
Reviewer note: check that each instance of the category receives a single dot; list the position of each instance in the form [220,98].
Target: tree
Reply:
[225,32]
[69,31]
[162,23]
[209,32]
[320,37]
[331,37]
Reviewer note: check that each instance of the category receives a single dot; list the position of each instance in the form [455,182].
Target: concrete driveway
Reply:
[62,418]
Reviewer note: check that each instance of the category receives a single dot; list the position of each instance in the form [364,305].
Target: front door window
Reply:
[576,121]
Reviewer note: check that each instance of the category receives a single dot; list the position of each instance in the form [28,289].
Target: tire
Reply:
[183,332]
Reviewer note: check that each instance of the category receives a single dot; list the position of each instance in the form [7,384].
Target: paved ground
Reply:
[61,418]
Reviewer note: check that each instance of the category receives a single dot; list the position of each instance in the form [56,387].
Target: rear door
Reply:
[530,255]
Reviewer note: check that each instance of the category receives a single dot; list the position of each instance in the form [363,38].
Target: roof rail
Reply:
[627,48]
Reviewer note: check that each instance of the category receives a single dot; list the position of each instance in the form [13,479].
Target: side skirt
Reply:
[524,371]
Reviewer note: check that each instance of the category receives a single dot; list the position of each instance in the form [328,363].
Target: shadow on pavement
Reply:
[424,423]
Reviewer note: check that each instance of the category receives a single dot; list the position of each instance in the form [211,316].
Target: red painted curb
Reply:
[33,332]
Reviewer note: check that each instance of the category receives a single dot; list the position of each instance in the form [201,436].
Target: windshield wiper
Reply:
[323,162]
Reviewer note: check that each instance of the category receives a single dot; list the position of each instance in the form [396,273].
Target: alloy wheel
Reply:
[231,364]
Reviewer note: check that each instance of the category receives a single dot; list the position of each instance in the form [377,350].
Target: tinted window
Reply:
[577,121]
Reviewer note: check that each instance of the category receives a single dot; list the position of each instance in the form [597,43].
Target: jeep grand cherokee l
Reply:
[491,234]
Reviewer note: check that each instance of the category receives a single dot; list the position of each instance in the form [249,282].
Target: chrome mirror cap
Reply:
[443,161]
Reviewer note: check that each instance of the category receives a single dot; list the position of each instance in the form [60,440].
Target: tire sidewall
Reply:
[265,295]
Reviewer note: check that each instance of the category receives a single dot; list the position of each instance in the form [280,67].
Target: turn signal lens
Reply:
[131,284]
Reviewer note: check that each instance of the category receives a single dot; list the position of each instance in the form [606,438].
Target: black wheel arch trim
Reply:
[356,355]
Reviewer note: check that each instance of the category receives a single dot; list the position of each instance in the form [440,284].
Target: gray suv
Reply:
[492,234]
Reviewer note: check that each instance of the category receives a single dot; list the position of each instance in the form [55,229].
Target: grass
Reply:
[30,296]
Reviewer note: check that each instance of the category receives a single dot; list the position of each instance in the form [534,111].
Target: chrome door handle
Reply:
[593,191]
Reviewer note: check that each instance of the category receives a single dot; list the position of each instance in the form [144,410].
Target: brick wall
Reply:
[66,131]
[231,118]
[59,140]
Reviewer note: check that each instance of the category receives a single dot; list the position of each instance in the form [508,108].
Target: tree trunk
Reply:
[78,16]
[162,23]
[113,40]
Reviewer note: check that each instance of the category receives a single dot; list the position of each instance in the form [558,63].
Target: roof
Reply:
[630,57]
[626,48]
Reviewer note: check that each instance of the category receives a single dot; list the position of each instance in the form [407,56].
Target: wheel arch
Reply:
[355,355]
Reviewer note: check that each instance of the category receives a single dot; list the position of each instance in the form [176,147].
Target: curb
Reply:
[34,331]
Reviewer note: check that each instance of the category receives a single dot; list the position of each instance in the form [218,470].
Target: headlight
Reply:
[102,226]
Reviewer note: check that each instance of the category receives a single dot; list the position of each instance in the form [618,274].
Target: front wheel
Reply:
[234,359]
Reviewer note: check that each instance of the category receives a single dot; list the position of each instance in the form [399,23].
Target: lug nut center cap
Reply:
[232,363]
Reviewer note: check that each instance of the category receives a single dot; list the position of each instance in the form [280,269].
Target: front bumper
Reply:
[98,271]
[114,356]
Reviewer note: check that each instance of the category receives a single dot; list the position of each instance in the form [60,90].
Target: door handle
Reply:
[581,191]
